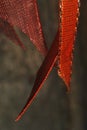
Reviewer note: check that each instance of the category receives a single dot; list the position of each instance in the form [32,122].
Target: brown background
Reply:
[53,108]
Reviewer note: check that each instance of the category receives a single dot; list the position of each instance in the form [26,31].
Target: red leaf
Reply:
[9,31]
[24,14]
[42,74]
[68,18]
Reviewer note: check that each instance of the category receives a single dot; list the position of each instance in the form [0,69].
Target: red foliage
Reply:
[25,15]
[68,28]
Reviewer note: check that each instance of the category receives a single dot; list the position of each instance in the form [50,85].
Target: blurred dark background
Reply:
[53,108]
